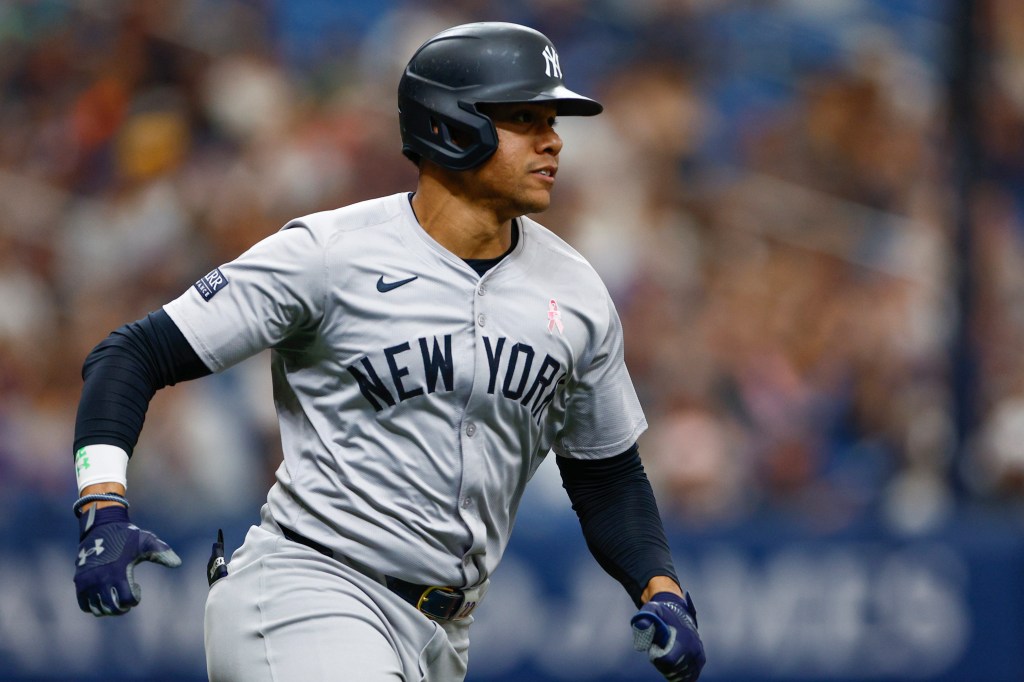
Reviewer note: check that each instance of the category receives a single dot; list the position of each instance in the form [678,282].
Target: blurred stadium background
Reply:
[810,213]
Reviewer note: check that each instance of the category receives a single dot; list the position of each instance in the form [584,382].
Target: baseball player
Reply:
[429,350]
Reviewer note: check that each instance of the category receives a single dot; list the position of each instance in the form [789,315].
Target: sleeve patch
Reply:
[211,283]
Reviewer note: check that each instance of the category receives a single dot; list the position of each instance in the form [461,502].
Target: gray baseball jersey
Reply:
[417,398]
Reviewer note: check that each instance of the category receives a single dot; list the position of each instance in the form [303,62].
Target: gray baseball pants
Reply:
[286,613]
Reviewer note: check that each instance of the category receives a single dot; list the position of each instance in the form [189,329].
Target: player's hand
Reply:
[109,547]
[666,628]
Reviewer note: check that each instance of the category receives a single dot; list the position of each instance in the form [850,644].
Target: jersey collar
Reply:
[418,240]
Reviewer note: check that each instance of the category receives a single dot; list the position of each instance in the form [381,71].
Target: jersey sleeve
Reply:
[270,292]
[603,413]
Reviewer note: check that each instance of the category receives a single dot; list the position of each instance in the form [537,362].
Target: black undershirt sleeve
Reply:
[122,374]
[619,516]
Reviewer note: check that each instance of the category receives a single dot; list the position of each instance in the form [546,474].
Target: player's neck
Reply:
[467,229]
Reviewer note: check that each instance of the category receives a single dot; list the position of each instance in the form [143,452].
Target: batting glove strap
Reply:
[109,549]
[666,628]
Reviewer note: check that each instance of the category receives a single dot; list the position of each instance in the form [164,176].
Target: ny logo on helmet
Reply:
[551,67]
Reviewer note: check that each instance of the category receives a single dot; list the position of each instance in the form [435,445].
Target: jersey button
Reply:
[465,505]
[481,319]
[471,430]
[481,290]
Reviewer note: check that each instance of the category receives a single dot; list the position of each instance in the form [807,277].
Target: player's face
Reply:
[518,178]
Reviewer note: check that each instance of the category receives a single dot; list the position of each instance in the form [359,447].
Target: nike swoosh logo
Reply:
[384,287]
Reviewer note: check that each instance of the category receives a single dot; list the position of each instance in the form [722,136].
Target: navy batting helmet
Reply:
[481,63]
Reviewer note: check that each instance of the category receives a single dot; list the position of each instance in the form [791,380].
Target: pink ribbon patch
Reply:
[554,318]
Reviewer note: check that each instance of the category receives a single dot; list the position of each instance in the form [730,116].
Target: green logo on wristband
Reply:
[81,460]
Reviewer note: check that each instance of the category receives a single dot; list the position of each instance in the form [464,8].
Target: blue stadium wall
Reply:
[777,601]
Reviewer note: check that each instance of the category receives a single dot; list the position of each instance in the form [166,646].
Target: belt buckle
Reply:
[443,603]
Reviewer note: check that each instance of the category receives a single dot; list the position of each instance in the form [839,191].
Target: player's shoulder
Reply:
[557,252]
[353,217]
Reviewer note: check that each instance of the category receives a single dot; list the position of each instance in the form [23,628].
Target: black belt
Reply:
[441,603]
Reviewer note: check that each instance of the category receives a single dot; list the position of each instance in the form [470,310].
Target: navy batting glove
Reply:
[109,547]
[666,628]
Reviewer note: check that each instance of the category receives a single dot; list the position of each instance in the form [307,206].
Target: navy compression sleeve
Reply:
[619,517]
[122,373]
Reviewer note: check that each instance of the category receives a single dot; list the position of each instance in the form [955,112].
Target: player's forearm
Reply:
[620,520]
[122,374]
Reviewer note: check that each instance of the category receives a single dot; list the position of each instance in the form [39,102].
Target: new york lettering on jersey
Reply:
[516,371]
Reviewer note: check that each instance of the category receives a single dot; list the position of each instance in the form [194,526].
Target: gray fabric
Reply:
[286,613]
[419,471]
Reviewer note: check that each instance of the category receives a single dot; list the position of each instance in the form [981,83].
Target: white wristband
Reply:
[101,464]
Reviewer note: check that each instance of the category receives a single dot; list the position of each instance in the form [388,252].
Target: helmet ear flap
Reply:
[456,138]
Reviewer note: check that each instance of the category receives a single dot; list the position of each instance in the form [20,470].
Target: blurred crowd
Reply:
[771,195]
